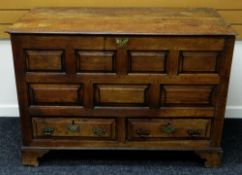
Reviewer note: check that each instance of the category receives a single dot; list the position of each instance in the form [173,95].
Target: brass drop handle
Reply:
[100,132]
[121,42]
[142,132]
[168,129]
[73,127]
[194,132]
[48,131]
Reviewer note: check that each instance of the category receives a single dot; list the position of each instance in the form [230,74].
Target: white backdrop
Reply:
[8,98]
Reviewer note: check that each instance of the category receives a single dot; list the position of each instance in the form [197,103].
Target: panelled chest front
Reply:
[122,79]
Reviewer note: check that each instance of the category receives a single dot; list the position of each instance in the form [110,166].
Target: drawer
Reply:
[74,127]
[168,128]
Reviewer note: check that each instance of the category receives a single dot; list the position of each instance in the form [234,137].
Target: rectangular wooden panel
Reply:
[84,128]
[45,60]
[55,94]
[187,95]
[121,95]
[147,62]
[155,129]
[198,62]
[96,61]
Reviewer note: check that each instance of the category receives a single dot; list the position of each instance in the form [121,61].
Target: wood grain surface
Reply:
[231,10]
[145,21]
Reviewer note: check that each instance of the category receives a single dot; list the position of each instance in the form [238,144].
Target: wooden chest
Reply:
[131,78]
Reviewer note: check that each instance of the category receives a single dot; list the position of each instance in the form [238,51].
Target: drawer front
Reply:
[85,128]
[168,128]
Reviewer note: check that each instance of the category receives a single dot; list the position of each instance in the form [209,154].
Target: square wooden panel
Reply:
[147,61]
[96,61]
[192,95]
[198,62]
[56,94]
[45,60]
[121,95]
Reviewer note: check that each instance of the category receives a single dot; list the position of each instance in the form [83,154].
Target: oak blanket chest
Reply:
[122,78]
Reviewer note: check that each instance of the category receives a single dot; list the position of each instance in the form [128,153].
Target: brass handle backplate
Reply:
[168,129]
[73,127]
[194,132]
[100,132]
[121,42]
[142,132]
[48,131]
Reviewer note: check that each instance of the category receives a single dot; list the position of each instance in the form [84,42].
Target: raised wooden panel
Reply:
[147,62]
[121,95]
[45,60]
[96,61]
[198,62]
[147,129]
[85,128]
[55,94]
[187,95]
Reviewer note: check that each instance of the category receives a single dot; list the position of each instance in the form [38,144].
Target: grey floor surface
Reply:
[118,162]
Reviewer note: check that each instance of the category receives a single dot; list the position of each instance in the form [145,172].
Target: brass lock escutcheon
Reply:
[48,131]
[142,132]
[168,128]
[100,132]
[121,42]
